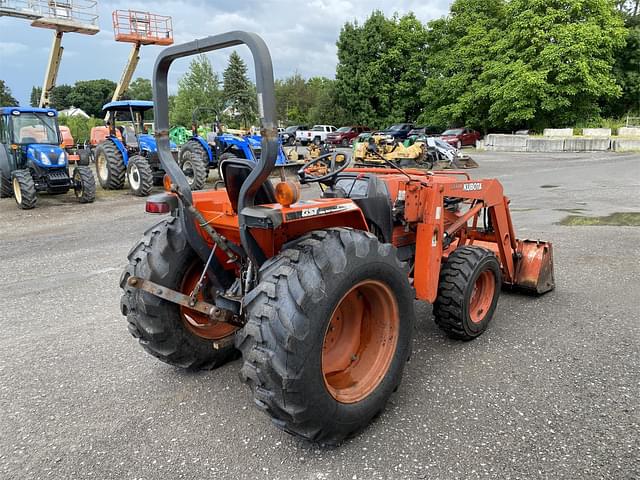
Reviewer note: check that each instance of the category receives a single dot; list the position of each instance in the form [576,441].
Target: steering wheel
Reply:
[327,179]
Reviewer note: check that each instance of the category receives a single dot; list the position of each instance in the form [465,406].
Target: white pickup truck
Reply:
[317,134]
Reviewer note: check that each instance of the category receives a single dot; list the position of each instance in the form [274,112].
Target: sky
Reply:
[301,36]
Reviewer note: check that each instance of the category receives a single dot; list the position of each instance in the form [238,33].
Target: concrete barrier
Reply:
[596,132]
[629,132]
[625,145]
[541,145]
[582,144]
[557,132]
[506,143]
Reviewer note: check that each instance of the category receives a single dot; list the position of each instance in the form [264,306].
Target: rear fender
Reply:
[205,145]
[274,226]
[120,146]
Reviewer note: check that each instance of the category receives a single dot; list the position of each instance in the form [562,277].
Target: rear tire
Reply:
[194,162]
[110,167]
[24,189]
[6,189]
[139,175]
[84,184]
[164,256]
[293,345]
[468,292]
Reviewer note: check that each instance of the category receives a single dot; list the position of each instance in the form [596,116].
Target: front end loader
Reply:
[316,295]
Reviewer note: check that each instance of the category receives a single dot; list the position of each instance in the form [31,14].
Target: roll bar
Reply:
[266,112]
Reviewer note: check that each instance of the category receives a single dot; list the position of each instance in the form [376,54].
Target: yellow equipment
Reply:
[139,28]
[79,16]
[377,145]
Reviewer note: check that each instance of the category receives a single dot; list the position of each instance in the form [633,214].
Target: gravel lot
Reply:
[550,391]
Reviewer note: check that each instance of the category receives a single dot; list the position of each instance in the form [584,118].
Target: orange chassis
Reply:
[427,226]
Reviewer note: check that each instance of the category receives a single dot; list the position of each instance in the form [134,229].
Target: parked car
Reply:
[289,135]
[318,134]
[344,136]
[461,137]
[399,131]
[428,131]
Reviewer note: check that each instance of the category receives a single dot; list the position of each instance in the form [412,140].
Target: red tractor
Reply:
[317,295]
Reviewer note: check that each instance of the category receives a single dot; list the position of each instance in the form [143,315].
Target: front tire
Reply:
[468,292]
[166,330]
[139,175]
[329,331]
[194,164]
[24,190]
[110,167]
[84,184]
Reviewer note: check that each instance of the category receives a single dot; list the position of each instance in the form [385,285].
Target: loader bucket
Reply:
[464,162]
[534,269]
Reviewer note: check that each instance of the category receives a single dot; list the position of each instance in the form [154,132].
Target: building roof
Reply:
[73,112]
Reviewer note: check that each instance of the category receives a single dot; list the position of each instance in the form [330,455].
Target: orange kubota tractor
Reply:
[317,295]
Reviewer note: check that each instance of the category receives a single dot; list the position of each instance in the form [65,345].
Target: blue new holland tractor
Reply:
[199,155]
[32,159]
[129,151]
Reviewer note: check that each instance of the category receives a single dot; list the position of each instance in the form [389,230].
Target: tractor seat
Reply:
[371,195]
[235,171]
[130,138]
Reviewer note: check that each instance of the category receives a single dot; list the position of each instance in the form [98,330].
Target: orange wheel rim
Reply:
[198,323]
[482,296]
[360,341]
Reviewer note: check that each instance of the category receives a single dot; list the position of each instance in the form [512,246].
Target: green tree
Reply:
[6,98]
[554,62]
[293,100]
[34,99]
[197,88]
[91,95]
[59,98]
[381,67]
[522,63]
[324,108]
[627,70]
[140,89]
[239,91]
[460,48]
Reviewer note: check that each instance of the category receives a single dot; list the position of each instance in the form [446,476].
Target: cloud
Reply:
[301,37]
[8,49]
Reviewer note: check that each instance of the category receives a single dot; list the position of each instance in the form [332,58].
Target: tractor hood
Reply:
[148,142]
[46,155]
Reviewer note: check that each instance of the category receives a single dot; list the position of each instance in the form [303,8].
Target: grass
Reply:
[618,219]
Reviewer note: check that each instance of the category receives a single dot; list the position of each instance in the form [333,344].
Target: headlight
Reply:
[44,159]
[62,158]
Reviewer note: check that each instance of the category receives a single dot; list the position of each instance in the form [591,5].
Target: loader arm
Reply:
[525,264]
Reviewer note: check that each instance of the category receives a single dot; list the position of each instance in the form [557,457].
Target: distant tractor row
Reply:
[36,153]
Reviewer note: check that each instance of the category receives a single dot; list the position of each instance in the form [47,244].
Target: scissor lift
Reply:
[139,28]
[79,16]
